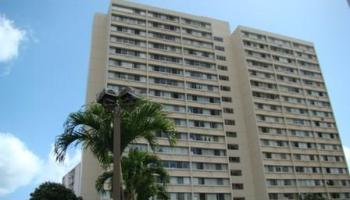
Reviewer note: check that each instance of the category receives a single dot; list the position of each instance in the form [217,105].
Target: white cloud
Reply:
[10,39]
[347,154]
[20,167]
[54,171]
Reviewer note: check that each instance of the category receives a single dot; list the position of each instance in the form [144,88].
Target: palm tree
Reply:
[143,174]
[92,127]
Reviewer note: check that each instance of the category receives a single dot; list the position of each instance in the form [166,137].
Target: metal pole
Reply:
[116,185]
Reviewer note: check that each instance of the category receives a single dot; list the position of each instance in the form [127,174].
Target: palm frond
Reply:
[91,128]
[144,121]
[102,179]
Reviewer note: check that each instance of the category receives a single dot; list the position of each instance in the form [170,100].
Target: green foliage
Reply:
[53,191]
[143,175]
[92,127]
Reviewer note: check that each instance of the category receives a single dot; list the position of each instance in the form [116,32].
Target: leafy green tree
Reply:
[143,175]
[53,191]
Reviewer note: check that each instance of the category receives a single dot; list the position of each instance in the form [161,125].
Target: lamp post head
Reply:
[127,95]
[107,98]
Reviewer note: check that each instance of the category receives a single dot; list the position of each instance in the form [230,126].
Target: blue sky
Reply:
[46,78]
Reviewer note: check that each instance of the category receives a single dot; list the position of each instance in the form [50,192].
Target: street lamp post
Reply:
[108,98]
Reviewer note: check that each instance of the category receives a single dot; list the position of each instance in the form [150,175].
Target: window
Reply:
[226,99]
[126,76]
[199,53]
[231,134]
[128,10]
[164,26]
[234,159]
[203,99]
[208,152]
[164,94]
[174,108]
[163,16]
[178,135]
[128,20]
[236,172]
[225,88]
[200,75]
[268,155]
[196,33]
[266,95]
[203,111]
[207,138]
[200,86]
[219,39]
[179,180]
[222,67]
[127,52]
[162,81]
[176,164]
[228,110]
[230,122]
[164,47]
[128,41]
[164,36]
[223,58]
[163,69]
[232,146]
[209,166]
[197,43]
[126,64]
[237,186]
[128,30]
[196,23]
[205,124]
[220,48]
[172,150]
[200,64]
[224,78]
[164,58]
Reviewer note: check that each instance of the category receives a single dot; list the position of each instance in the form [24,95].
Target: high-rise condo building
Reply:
[291,131]
[251,109]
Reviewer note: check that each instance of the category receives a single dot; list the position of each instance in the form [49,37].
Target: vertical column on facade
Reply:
[186,107]
[313,129]
[284,121]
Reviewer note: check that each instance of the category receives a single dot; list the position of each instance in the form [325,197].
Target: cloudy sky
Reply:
[44,53]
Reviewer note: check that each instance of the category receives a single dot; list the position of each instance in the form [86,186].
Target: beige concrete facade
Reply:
[288,116]
[199,71]
[96,81]
[72,180]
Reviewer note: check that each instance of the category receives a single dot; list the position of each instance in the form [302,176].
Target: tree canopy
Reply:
[143,175]
[53,191]
[93,128]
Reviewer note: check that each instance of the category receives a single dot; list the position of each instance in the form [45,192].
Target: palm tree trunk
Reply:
[121,183]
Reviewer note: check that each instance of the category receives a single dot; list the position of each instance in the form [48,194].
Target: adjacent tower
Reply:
[294,141]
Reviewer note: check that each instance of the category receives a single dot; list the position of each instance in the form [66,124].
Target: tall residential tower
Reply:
[253,118]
